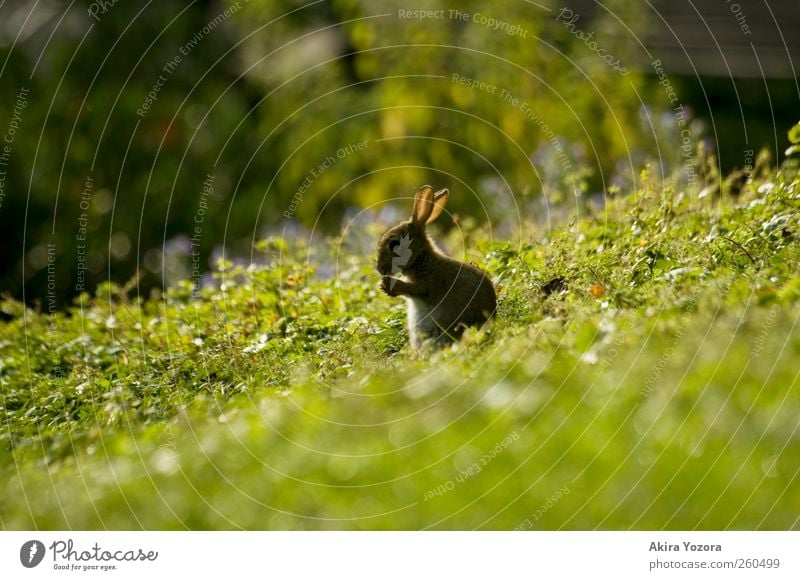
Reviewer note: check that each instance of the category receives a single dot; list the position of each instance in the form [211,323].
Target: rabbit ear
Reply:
[423,205]
[439,201]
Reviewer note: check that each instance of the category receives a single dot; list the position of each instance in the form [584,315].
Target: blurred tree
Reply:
[189,127]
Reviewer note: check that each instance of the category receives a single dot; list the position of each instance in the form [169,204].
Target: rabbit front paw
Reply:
[389,285]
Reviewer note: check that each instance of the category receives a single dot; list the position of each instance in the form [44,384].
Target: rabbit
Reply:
[444,296]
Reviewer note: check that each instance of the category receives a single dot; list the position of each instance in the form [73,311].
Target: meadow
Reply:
[641,374]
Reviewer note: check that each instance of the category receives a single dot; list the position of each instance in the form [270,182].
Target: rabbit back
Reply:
[459,296]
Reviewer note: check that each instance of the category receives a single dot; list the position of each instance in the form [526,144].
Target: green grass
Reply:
[656,386]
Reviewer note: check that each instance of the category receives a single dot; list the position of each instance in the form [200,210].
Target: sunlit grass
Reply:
[642,373]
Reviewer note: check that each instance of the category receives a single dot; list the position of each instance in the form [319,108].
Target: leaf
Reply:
[794,134]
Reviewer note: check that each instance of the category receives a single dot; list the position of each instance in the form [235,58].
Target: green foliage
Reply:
[794,139]
[641,374]
[262,100]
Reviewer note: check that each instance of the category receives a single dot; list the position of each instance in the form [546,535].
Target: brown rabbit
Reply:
[444,296]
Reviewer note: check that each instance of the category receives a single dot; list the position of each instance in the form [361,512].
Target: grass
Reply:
[642,374]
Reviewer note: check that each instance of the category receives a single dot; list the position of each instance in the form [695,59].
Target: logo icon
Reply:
[402,255]
[31,553]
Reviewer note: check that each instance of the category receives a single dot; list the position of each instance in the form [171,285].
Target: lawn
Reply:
[642,373]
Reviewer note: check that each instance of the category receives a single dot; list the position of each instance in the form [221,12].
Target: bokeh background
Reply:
[616,168]
[266,91]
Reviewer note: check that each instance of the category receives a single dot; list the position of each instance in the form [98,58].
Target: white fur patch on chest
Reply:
[421,320]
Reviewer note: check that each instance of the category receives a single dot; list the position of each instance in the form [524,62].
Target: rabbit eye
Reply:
[393,244]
